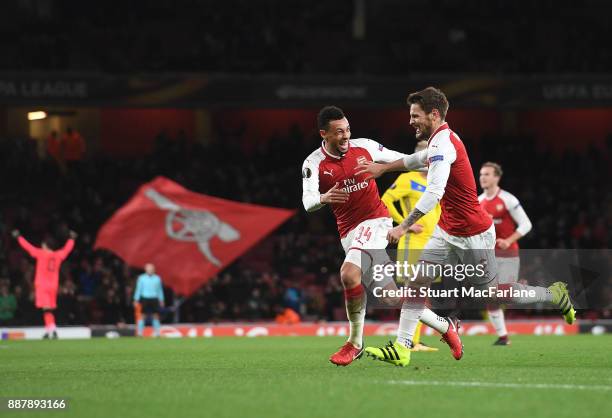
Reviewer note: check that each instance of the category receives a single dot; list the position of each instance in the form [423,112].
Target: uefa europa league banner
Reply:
[170,90]
[188,236]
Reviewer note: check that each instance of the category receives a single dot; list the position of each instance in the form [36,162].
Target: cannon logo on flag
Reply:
[193,225]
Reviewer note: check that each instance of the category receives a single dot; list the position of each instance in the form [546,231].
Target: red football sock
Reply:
[49,321]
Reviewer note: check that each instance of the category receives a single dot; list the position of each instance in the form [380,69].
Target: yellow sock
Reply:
[417,334]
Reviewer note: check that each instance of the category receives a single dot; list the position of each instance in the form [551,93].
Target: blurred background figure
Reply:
[293,301]
[8,304]
[54,146]
[148,298]
[46,281]
[73,149]
[511,224]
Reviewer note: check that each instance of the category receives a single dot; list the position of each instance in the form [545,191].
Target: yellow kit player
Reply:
[407,190]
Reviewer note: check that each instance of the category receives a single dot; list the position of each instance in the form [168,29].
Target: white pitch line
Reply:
[499,385]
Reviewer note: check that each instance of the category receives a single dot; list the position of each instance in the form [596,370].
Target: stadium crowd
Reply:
[340,37]
[296,267]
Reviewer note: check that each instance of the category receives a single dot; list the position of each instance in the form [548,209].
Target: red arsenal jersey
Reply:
[508,216]
[461,215]
[47,262]
[321,171]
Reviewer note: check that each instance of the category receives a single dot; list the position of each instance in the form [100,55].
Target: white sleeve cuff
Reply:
[312,202]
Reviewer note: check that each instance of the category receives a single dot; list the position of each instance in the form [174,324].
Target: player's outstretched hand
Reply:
[72,234]
[394,235]
[335,195]
[371,169]
[15,233]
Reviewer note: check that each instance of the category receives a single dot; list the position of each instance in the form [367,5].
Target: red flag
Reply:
[189,237]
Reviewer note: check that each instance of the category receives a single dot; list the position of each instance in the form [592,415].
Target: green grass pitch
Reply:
[546,376]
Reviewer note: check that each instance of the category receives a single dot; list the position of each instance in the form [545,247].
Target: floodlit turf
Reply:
[548,376]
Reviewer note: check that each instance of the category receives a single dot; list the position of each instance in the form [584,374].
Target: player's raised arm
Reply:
[30,249]
[408,162]
[68,246]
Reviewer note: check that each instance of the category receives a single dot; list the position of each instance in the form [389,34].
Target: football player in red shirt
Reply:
[511,224]
[465,234]
[46,280]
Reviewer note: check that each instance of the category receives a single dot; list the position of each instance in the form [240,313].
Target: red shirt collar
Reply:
[440,128]
[494,196]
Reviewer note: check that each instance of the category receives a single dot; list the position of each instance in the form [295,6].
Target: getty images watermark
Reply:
[383,274]
[470,279]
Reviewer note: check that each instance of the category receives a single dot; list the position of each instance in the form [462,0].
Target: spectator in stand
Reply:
[88,280]
[254,305]
[54,147]
[73,146]
[67,303]
[287,316]
[26,313]
[334,299]
[293,298]
[111,307]
[8,305]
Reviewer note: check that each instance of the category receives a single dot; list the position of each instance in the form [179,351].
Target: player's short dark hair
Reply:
[497,169]
[429,99]
[328,113]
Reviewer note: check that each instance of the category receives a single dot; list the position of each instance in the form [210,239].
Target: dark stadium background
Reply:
[222,97]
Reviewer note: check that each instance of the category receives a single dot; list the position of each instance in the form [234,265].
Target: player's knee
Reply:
[350,275]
